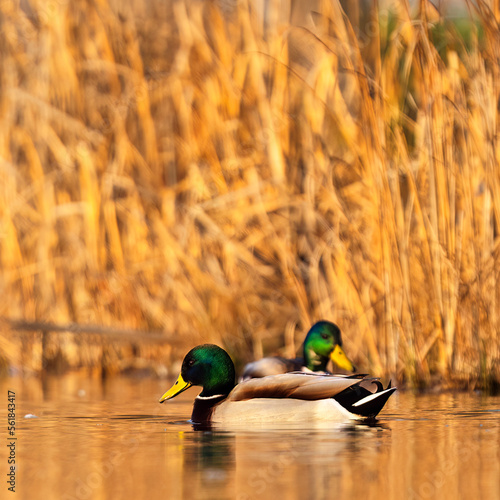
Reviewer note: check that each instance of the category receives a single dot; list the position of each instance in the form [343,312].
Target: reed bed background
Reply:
[179,166]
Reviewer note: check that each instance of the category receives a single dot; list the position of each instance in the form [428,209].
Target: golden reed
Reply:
[175,166]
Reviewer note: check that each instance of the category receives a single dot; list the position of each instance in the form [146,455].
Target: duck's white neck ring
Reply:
[209,397]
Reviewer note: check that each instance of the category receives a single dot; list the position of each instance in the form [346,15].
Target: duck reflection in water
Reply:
[210,457]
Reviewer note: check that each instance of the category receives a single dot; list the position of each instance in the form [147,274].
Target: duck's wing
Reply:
[292,385]
[271,366]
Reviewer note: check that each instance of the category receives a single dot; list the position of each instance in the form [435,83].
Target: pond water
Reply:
[93,440]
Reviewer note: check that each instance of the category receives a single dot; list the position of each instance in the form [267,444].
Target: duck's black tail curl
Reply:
[360,401]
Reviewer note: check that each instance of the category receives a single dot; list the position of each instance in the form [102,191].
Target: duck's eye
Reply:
[324,336]
[191,362]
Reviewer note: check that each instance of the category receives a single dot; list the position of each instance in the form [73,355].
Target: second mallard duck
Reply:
[291,397]
[323,342]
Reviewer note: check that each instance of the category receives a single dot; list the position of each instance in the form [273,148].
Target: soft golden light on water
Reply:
[113,440]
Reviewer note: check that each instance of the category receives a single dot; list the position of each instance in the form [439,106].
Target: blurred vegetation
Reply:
[174,166]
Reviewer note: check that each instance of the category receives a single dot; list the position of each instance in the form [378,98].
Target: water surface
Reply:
[93,440]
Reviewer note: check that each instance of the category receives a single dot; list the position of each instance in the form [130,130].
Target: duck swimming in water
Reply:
[323,342]
[290,397]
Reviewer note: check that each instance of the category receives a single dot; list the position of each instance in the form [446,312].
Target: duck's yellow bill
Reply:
[180,386]
[341,360]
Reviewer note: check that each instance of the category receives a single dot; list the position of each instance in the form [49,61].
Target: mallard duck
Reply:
[296,397]
[322,343]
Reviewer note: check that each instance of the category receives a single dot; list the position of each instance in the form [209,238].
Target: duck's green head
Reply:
[206,365]
[324,342]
